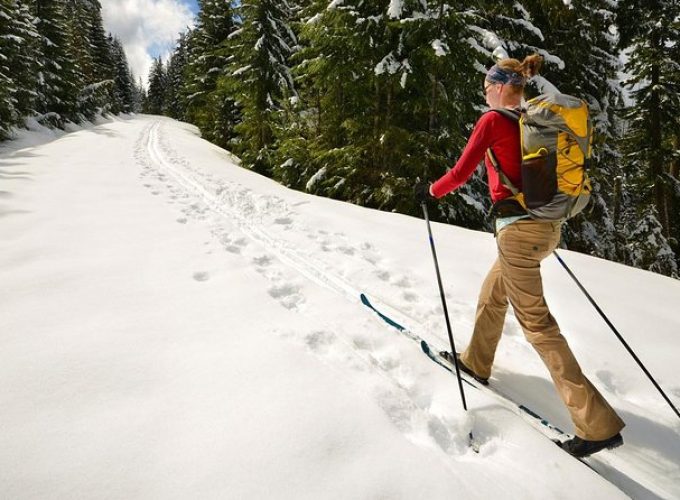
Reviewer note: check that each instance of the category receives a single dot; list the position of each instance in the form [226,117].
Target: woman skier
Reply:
[515,276]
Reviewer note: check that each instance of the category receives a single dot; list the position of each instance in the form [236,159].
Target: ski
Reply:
[532,417]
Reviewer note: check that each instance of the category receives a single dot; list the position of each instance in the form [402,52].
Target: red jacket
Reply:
[501,134]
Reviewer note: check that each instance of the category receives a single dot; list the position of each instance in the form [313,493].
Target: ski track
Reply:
[237,218]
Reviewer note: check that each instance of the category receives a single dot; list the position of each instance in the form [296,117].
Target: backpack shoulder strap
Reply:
[513,114]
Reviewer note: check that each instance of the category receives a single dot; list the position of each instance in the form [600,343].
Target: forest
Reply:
[357,100]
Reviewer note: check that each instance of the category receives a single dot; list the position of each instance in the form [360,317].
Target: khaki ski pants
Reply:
[516,277]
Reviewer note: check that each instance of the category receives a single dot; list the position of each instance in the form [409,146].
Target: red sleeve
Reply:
[474,151]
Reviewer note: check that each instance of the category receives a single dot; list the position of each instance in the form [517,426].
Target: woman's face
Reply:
[492,92]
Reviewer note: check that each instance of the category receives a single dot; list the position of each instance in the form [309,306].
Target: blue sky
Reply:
[192,4]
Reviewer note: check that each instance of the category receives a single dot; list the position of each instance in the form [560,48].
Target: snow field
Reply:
[177,326]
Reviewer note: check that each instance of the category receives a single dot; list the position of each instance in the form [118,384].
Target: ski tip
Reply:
[425,347]
[364,299]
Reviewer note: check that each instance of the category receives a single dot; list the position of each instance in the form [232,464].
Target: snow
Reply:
[395,8]
[526,24]
[388,65]
[175,326]
[440,49]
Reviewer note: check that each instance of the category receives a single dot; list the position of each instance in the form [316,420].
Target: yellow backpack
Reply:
[555,136]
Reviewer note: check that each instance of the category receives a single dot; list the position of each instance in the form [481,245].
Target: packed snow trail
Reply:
[224,203]
[178,326]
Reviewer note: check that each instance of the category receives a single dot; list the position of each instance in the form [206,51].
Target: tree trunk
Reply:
[435,75]
[617,216]
[656,157]
[376,124]
[675,164]
[318,113]
[388,118]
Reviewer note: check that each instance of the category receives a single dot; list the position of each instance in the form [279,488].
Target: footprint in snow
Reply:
[287,294]
[607,379]
[283,290]
[347,250]
[262,261]
[402,282]
[382,274]
[182,220]
[319,341]
[413,420]
[284,221]
[202,276]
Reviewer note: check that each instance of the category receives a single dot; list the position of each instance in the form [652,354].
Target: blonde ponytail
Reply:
[527,68]
[531,65]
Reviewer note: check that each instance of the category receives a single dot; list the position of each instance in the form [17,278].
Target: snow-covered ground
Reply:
[174,326]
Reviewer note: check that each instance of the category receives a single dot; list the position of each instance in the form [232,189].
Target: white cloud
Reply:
[147,28]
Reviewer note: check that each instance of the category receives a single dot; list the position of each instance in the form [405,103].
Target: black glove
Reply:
[422,192]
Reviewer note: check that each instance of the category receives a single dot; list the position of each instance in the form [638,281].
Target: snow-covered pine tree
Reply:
[260,77]
[673,175]
[18,52]
[207,107]
[58,78]
[25,67]
[649,34]
[100,86]
[177,64]
[138,97]
[648,248]
[123,86]
[155,103]
[8,47]
[392,95]
[78,17]
[335,75]
[291,161]
[438,98]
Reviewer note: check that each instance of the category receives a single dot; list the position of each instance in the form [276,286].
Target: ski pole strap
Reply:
[504,178]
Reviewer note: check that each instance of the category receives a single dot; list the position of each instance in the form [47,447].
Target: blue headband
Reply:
[499,75]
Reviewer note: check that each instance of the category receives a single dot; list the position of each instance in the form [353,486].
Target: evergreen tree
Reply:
[8,113]
[58,78]
[650,32]
[647,247]
[18,51]
[123,88]
[176,68]
[155,103]
[138,97]
[380,104]
[100,87]
[208,107]
[260,76]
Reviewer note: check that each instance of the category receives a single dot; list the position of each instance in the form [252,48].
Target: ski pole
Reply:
[446,311]
[616,332]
